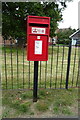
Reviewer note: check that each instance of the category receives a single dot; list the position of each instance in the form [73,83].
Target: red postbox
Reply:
[37,38]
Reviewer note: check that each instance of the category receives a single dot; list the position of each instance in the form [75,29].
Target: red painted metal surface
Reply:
[38,29]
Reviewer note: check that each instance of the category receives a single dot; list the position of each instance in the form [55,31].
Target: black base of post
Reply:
[35,87]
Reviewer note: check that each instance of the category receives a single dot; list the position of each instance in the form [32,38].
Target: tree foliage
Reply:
[14,16]
[63,35]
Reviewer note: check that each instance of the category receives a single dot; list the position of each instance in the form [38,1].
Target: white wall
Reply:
[73,42]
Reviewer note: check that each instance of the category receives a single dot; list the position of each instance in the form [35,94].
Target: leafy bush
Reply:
[63,41]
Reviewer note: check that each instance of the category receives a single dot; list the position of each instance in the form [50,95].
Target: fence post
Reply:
[35,87]
[68,64]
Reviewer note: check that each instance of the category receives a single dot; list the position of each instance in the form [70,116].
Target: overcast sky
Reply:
[70,15]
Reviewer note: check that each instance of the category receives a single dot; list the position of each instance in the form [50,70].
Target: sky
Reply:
[70,16]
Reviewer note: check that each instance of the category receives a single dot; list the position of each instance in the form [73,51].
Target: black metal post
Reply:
[35,87]
[68,65]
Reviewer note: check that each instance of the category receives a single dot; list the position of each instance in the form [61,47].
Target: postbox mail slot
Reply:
[39,25]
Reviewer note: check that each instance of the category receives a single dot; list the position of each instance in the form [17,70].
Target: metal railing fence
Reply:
[60,71]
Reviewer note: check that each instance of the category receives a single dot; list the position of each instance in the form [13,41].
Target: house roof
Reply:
[75,34]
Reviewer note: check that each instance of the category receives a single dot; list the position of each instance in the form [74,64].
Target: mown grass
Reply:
[14,49]
[21,76]
[50,103]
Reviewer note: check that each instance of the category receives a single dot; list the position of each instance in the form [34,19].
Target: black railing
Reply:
[60,71]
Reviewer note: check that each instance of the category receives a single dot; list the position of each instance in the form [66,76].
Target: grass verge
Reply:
[50,103]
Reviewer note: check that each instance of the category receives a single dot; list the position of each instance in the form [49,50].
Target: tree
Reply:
[14,16]
[63,35]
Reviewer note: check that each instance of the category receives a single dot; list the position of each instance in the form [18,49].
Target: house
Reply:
[75,37]
[53,40]
[9,41]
